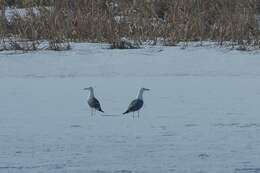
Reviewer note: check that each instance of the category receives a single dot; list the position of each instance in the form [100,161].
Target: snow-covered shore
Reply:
[201,115]
[95,60]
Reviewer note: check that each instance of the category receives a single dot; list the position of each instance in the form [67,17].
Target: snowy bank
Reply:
[201,115]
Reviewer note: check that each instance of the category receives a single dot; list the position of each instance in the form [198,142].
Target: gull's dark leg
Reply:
[138,114]
[91,111]
[133,115]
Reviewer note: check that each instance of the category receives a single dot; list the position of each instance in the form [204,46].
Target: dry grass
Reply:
[109,21]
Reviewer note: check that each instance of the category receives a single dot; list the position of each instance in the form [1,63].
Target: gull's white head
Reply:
[140,93]
[91,93]
[89,88]
[145,89]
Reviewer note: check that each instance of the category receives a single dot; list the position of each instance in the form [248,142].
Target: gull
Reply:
[92,101]
[137,103]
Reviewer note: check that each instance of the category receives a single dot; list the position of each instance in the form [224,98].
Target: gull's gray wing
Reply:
[135,105]
[94,103]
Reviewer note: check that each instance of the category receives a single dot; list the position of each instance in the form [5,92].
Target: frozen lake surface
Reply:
[201,115]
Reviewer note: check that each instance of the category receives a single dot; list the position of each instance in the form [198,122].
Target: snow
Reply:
[22,12]
[201,115]
[93,60]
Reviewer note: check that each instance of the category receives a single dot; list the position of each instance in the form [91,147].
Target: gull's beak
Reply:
[86,89]
[146,89]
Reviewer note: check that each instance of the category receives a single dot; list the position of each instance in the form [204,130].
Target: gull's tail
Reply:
[100,110]
[126,112]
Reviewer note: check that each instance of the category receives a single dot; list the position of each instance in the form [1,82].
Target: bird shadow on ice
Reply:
[107,171]
[111,115]
[247,170]
[75,126]
[238,125]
